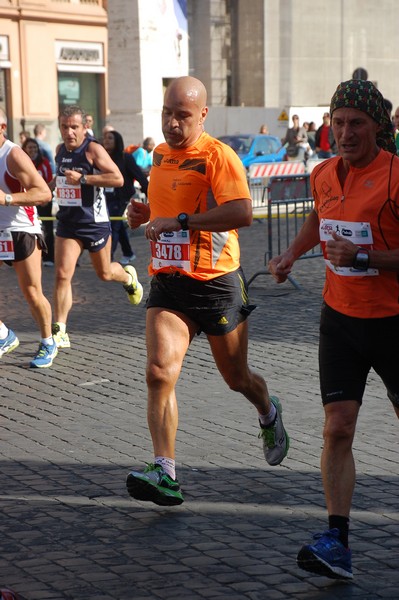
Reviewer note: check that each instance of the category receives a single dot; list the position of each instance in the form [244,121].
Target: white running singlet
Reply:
[15,218]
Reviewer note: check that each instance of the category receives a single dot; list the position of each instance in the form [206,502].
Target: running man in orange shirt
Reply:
[356,221]
[198,198]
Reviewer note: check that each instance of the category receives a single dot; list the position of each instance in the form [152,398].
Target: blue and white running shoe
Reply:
[9,343]
[327,556]
[45,356]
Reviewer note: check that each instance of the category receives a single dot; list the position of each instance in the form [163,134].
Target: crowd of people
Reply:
[307,140]
[198,198]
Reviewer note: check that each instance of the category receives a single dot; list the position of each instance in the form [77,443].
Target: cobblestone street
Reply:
[70,434]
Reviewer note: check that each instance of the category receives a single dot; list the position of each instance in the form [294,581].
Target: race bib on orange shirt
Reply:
[67,195]
[6,246]
[171,250]
[358,233]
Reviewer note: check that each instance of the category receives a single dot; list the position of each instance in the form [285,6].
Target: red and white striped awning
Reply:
[288,167]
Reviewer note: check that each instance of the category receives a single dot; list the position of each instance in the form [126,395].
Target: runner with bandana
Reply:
[356,220]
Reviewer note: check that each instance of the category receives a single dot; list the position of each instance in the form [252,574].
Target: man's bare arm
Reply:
[110,175]
[37,192]
[227,216]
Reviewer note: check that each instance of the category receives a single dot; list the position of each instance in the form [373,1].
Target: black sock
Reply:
[342,524]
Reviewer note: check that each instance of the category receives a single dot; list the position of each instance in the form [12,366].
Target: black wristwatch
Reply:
[361,260]
[183,220]
[83,180]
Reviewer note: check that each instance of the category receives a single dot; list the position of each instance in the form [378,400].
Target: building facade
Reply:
[257,58]
[148,46]
[278,54]
[52,52]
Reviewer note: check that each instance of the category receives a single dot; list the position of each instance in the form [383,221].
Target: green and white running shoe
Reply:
[154,485]
[275,438]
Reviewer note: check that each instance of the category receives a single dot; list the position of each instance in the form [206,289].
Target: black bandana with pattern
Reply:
[363,95]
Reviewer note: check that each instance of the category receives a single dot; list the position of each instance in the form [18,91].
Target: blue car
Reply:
[255,148]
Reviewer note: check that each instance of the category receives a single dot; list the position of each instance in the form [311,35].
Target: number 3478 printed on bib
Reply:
[171,250]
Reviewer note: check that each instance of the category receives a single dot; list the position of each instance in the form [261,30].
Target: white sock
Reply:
[168,465]
[48,341]
[268,419]
[3,331]
[62,326]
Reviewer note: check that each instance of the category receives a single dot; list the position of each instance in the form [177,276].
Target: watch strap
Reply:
[361,261]
[183,220]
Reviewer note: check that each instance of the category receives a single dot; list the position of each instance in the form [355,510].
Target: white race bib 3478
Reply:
[172,250]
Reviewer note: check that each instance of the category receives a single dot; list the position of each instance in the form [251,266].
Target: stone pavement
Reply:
[69,434]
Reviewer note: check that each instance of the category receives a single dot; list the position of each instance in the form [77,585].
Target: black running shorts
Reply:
[217,305]
[24,245]
[349,348]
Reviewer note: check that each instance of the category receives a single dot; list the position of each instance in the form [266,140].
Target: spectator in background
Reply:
[325,143]
[118,198]
[311,133]
[23,135]
[143,154]
[296,140]
[32,149]
[89,125]
[106,129]
[40,133]
[264,129]
[308,148]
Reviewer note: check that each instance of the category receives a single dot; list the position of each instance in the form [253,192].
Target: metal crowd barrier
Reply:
[285,203]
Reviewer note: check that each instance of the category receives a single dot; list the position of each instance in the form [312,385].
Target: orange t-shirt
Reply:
[363,212]
[194,180]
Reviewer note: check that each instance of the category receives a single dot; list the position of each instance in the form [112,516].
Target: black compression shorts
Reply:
[349,348]
[217,305]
